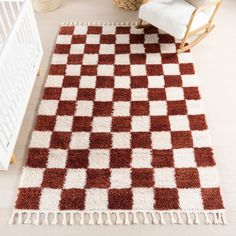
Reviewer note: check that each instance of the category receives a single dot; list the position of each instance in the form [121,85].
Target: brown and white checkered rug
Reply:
[120,136]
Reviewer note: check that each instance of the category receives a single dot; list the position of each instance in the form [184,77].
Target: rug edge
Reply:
[120,217]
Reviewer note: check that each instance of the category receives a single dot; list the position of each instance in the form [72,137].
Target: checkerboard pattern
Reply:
[120,127]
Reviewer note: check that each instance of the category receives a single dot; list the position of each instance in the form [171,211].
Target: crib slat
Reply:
[3,26]
[6,14]
[18,5]
[12,10]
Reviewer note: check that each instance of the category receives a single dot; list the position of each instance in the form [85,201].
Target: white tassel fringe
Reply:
[132,23]
[120,217]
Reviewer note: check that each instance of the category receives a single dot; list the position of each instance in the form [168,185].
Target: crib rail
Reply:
[20,55]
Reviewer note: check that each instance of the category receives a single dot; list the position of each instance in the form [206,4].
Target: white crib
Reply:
[20,57]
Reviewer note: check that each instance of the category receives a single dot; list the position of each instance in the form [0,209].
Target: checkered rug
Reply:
[121,136]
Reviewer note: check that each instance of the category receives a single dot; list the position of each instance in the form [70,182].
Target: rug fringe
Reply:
[117,217]
[131,23]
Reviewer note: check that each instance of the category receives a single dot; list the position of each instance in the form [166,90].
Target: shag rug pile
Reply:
[121,136]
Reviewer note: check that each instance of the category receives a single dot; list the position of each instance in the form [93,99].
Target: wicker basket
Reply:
[128,4]
[46,5]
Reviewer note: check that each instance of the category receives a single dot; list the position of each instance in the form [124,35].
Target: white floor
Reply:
[215,62]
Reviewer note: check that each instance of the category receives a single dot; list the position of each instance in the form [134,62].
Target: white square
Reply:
[101,124]
[140,123]
[139,94]
[143,198]
[168,48]
[141,158]
[92,39]
[73,70]
[121,140]
[75,178]
[171,69]
[99,158]
[59,59]
[96,199]
[64,123]
[79,140]
[120,178]
[122,82]
[31,177]
[156,82]
[107,49]
[201,138]
[174,94]
[208,177]
[153,59]
[77,49]
[90,59]
[194,107]
[63,39]
[122,59]
[81,29]
[138,70]
[68,94]
[50,199]
[87,82]
[108,29]
[40,139]
[84,108]
[158,108]
[161,140]
[190,199]
[48,107]
[104,94]
[57,158]
[190,81]
[179,123]
[184,158]
[137,48]
[122,38]
[150,38]
[121,109]
[164,177]
[54,81]
[185,57]
[105,70]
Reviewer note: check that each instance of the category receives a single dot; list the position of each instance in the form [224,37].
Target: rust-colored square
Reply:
[72,199]
[141,140]
[102,108]
[212,199]
[120,199]
[60,140]
[100,141]
[45,123]
[166,198]
[139,108]
[187,178]
[162,158]
[121,124]
[142,177]
[98,178]
[54,178]
[77,159]
[28,198]
[120,158]
[181,139]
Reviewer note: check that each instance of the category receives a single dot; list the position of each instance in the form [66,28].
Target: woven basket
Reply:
[128,4]
[46,5]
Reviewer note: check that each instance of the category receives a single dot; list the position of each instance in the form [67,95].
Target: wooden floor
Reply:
[215,61]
